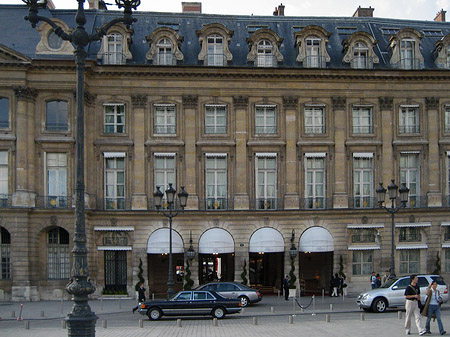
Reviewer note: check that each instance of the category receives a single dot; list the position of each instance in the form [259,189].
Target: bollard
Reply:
[323,295]
[331,306]
[141,323]
[327,318]
[255,320]
[153,296]
[62,305]
[27,325]
[302,310]
[278,294]
[20,313]
[105,324]
[42,313]
[271,309]
[291,319]
[179,322]
[101,303]
[363,317]
[314,305]
[63,324]
[120,302]
[215,323]
[399,314]
[13,314]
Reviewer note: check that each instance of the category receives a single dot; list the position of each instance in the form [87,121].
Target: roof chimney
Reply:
[93,4]
[51,5]
[279,11]
[192,7]
[440,16]
[363,12]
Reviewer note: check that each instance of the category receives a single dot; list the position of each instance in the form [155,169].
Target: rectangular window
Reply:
[447,260]
[265,119]
[363,181]
[410,234]
[164,170]
[165,122]
[361,235]
[266,182]
[313,54]
[407,54]
[215,119]
[410,175]
[115,270]
[4,175]
[447,119]
[114,118]
[57,116]
[409,120]
[216,182]
[315,120]
[115,181]
[362,262]
[362,120]
[114,45]
[58,254]
[4,112]
[448,178]
[409,261]
[315,181]
[215,55]
[5,254]
[447,233]
[56,165]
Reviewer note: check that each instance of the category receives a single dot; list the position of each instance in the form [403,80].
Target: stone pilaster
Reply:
[387,130]
[340,195]
[291,198]
[139,197]
[241,198]
[432,112]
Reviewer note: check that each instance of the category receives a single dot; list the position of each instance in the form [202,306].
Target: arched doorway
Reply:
[158,260]
[266,255]
[216,256]
[316,247]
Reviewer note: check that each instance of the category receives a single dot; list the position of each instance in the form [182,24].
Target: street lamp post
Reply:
[381,194]
[81,320]
[172,212]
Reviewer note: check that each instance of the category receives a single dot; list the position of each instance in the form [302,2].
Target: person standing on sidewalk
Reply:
[286,287]
[434,299]
[141,296]
[412,295]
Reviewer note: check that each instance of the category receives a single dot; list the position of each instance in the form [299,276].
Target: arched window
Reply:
[57,116]
[265,54]
[165,52]
[5,253]
[58,254]
[360,56]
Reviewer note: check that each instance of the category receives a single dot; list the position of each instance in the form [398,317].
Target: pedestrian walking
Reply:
[141,296]
[386,276]
[378,281]
[432,307]
[373,280]
[412,296]
[286,287]
[336,285]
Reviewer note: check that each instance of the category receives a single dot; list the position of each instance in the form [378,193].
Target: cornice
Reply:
[56,139]
[121,141]
[215,143]
[266,143]
[410,141]
[353,142]
[169,142]
[311,142]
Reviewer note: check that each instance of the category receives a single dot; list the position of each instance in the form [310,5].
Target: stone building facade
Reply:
[280,128]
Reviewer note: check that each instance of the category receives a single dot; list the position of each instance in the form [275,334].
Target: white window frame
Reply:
[118,111]
[313,52]
[215,112]
[114,201]
[168,117]
[407,172]
[114,49]
[409,119]
[166,171]
[362,120]
[362,199]
[4,174]
[215,50]
[265,114]
[265,57]
[60,172]
[215,200]
[447,119]
[164,52]
[58,258]
[407,56]
[265,200]
[315,120]
[365,268]
[406,260]
[360,56]
[314,200]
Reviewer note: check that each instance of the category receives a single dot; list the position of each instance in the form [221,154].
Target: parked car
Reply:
[245,294]
[191,303]
[392,293]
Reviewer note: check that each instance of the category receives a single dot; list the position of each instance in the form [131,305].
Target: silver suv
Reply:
[392,293]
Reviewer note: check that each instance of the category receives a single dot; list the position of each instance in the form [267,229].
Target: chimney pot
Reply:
[440,16]
[363,12]
[192,7]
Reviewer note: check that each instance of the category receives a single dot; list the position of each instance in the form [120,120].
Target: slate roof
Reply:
[18,35]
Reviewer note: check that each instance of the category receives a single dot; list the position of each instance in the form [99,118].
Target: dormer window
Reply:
[214,40]
[405,45]
[407,54]
[50,43]
[359,51]
[442,52]
[313,54]
[264,48]
[215,51]
[312,42]
[165,56]
[115,46]
[114,54]
[165,46]
[265,55]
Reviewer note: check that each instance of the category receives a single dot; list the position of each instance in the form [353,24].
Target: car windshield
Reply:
[389,282]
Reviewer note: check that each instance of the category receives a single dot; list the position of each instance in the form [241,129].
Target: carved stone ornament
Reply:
[190,101]
[25,93]
[53,220]
[240,101]
[290,102]
[432,103]
[386,103]
[89,99]
[139,101]
[338,102]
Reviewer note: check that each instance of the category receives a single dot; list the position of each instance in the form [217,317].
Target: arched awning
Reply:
[266,240]
[316,239]
[158,242]
[216,241]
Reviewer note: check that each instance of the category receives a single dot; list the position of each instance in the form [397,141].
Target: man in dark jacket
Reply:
[141,296]
[286,287]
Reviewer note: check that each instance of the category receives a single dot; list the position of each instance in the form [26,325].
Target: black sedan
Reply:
[191,303]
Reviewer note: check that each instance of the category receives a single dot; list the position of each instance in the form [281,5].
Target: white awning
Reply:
[265,106]
[158,242]
[113,229]
[409,105]
[266,155]
[114,154]
[316,239]
[446,245]
[413,224]
[163,105]
[448,153]
[114,248]
[373,247]
[164,154]
[412,246]
[445,224]
[217,155]
[362,155]
[266,240]
[410,152]
[315,155]
[216,241]
[365,226]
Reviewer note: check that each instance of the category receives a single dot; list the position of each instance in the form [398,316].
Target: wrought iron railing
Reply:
[266,61]
[320,129]
[5,201]
[215,204]
[410,237]
[266,204]
[409,64]
[114,58]
[316,203]
[215,60]
[314,61]
[361,238]
[409,128]
[113,204]
[55,202]
[368,129]
[164,59]
[362,62]
[362,202]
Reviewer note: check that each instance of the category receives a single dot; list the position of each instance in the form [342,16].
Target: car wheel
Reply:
[244,301]
[218,312]
[154,314]
[380,305]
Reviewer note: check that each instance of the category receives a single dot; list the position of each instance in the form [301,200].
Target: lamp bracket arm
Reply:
[103,30]
[35,19]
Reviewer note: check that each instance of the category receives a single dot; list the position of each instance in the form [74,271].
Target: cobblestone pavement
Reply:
[272,314]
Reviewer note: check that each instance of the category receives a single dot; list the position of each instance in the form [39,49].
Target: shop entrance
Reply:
[158,272]
[266,269]
[315,270]
[216,267]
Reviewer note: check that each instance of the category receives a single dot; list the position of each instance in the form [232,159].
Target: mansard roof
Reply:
[23,39]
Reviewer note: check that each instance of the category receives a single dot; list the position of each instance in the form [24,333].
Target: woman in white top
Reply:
[433,308]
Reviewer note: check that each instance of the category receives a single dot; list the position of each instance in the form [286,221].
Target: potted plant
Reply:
[341,274]
[187,277]
[292,281]
[140,277]
[244,273]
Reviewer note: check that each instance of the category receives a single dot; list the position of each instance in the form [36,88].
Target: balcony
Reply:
[362,202]
[409,129]
[164,59]
[215,60]
[319,129]
[266,204]
[447,235]
[410,237]
[164,205]
[5,201]
[114,58]
[363,238]
[417,202]
[111,204]
[53,202]
[266,61]
[314,61]
[361,130]
[316,203]
[362,62]
[215,204]
[409,64]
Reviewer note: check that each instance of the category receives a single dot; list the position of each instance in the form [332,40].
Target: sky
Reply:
[400,9]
